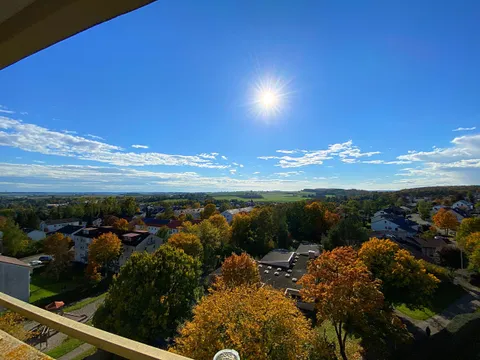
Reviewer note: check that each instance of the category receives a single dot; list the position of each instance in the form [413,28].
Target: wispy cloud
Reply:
[95,137]
[140,146]
[256,172]
[346,151]
[233,171]
[34,138]
[4,109]
[23,113]
[289,173]
[39,162]
[69,132]
[465,129]
[224,157]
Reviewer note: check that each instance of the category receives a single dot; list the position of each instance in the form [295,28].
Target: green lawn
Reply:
[85,354]
[445,295]
[42,287]
[69,344]
[83,303]
[352,345]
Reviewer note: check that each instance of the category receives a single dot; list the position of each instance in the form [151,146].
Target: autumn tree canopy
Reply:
[121,224]
[58,246]
[208,211]
[259,323]
[189,243]
[240,270]
[399,272]
[104,250]
[151,295]
[445,219]
[467,226]
[343,291]
[472,247]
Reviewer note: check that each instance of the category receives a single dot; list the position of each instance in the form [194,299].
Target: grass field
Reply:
[445,295]
[42,287]
[85,354]
[69,344]
[270,196]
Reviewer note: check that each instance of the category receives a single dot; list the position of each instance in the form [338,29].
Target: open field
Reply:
[270,196]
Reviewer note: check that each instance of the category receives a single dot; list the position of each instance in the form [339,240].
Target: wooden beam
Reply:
[46,22]
[101,339]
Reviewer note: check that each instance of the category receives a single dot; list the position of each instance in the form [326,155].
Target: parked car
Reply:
[45,259]
[35,262]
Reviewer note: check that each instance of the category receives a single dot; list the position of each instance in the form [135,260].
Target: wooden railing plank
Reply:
[115,344]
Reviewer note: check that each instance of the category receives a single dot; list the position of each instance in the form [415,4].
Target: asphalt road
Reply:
[30,258]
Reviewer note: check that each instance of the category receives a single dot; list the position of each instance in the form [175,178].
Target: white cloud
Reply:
[140,146]
[395,162]
[69,132]
[23,113]
[349,161]
[289,173]
[95,137]
[465,129]
[233,171]
[346,151]
[39,162]
[256,172]
[211,156]
[224,157]
[5,111]
[34,138]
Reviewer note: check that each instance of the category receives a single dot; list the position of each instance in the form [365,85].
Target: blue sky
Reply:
[370,95]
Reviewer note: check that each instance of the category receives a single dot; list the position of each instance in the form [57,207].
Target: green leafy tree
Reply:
[347,232]
[424,208]
[163,233]
[129,206]
[211,240]
[15,241]
[151,296]
[208,211]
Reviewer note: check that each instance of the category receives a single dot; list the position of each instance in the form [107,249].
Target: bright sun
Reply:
[269,97]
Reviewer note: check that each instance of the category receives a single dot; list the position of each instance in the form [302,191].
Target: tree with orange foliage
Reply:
[331,218]
[12,323]
[315,225]
[259,323]
[121,224]
[110,220]
[189,243]
[445,219]
[92,271]
[239,270]
[58,246]
[136,222]
[399,272]
[104,250]
[343,291]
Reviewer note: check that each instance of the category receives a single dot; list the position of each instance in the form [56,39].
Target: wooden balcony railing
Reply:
[101,339]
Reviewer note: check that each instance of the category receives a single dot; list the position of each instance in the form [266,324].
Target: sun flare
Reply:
[269,98]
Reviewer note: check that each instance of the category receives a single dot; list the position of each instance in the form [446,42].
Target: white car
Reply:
[35,262]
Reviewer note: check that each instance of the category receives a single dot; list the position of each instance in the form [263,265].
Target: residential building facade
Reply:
[15,278]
